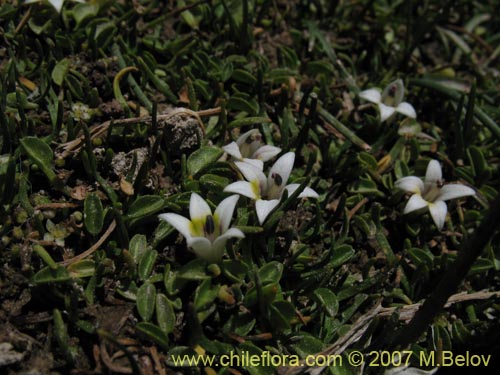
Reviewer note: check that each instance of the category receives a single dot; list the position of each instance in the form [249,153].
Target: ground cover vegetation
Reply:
[301,178]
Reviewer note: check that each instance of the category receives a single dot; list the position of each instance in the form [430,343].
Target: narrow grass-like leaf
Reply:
[349,134]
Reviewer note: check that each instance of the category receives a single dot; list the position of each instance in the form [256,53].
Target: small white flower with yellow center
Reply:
[206,233]
[267,192]
[390,101]
[249,149]
[432,193]
[57,4]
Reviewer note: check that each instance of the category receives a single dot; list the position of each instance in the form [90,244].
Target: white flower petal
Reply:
[244,188]
[279,174]
[266,152]
[306,193]
[438,212]
[57,4]
[180,223]
[224,212]
[251,173]
[372,95]
[264,208]
[393,93]
[433,173]
[233,150]
[230,233]
[406,109]
[198,207]
[202,247]
[452,191]
[249,142]
[385,111]
[259,164]
[219,244]
[243,137]
[416,202]
[410,184]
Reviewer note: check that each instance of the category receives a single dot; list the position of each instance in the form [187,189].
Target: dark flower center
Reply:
[277,179]
[209,225]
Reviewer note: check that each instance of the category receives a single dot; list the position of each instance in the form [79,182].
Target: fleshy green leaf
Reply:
[146,299]
[202,158]
[165,315]
[93,214]
[41,154]
[328,300]
[154,333]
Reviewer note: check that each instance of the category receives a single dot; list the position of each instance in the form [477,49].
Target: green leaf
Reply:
[478,162]
[266,295]
[328,300]
[154,333]
[88,10]
[130,292]
[205,294]
[282,313]
[341,254]
[246,121]
[194,270]
[367,161]
[41,154]
[165,315]
[202,158]
[93,214]
[250,229]
[278,321]
[364,186]
[212,182]
[234,270]
[244,76]
[271,272]
[421,257]
[241,324]
[146,299]
[60,71]
[146,263]
[49,275]
[481,265]
[244,104]
[82,268]
[145,206]
[62,337]
[307,345]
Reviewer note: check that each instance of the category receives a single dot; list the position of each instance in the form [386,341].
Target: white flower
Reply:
[267,192]
[390,101]
[206,233]
[249,149]
[431,192]
[57,4]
